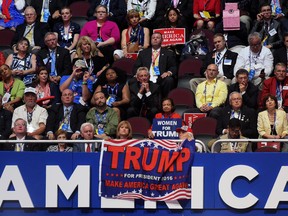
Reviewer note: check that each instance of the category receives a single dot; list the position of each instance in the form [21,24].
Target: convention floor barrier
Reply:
[54,183]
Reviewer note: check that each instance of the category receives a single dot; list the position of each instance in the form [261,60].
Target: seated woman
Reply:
[124,130]
[11,88]
[103,32]
[205,13]
[45,89]
[23,63]
[95,60]
[173,19]
[135,37]
[10,13]
[61,147]
[113,84]
[272,122]
[168,111]
[68,31]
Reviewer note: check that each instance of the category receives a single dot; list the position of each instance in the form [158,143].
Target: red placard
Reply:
[132,55]
[189,118]
[172,36]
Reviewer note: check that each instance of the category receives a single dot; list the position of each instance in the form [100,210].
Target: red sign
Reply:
[132,55]
[189,118]
[172,36]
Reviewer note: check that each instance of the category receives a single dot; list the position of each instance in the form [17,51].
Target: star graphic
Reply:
[142,144]
[140,191]
[152,194]
[155,145]
[149,143]
[134,191]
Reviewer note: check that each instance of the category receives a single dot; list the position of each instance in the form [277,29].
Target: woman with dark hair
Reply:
[10,13]
[48,93]
[11,89]
[61,147]
[167,111]
[113,84]
[23,63]
[272,122]
[124,130]
[68,31]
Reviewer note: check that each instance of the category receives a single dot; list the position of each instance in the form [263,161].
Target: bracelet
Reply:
[84,83]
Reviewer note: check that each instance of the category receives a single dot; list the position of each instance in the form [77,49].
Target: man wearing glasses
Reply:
[268,28]
[256,59]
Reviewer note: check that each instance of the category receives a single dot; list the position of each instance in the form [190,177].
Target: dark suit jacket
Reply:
[80,147]
[250,98]
[56,114]
[248,121]
[40,29]
[117,7]
[276,39]
[27,146]
[151,102]
[184,6]
[5,123]
[227,69]
[63,60]
[167,61]
[54,5]
[269,87]
[280,55]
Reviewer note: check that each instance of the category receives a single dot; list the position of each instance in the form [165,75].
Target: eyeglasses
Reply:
[255,45]
[267,10]
[20,124]
[29,15]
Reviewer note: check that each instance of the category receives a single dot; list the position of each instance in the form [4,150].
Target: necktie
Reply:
[88,149]
[218,58]
[266,27]
[29,34]
[53,63]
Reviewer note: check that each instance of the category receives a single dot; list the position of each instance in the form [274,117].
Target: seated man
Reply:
[280,55]
[236,109]
[161,63]
[56,59]
[211,94]
[222,57]
[277,86]
[87,133]
[67,116]
[31,29]
[20,131]
[144,95]
[256,59]
[104,118]
[33,114]
[79,83]
[247,89]
[268,28]
[234,132]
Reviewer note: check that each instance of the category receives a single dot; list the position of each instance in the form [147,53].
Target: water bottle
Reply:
[251,74]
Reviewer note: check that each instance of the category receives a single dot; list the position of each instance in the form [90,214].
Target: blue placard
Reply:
[165,128]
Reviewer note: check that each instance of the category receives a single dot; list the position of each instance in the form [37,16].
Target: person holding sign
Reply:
[205,12]
[167,112]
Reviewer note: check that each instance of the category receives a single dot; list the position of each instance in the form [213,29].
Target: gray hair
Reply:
[254,35]
[234,92]
[142,69]
[87,124]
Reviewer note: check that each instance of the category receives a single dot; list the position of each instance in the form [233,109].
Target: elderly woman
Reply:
[11,88]
[23,63]
[93,57]
[272,122]
[103,32]
[135,37]
[68,31]
[124,130]
[10,13]
[61,147]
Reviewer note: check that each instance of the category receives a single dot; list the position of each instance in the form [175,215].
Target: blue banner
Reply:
[165,128]
[146,169]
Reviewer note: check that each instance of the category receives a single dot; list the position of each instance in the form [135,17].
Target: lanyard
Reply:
[29,116]
[99,118]
[234,116]
[8,86]
[255,58]
[205,91]
[111,89]
[205,4]
[91,64]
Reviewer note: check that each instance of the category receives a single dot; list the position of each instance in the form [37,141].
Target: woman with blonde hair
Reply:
[94,59]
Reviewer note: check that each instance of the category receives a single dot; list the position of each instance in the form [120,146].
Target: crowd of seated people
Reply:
[58,81]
